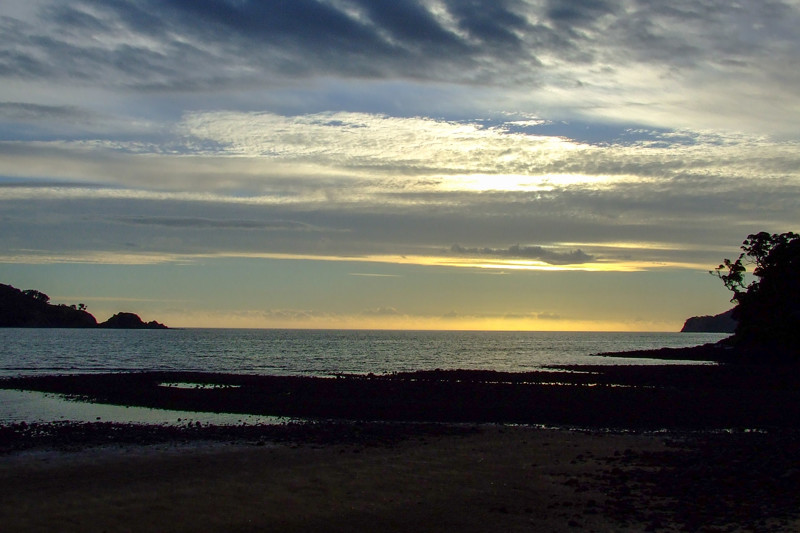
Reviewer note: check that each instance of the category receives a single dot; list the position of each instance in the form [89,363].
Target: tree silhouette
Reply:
[768,308]
[36,295]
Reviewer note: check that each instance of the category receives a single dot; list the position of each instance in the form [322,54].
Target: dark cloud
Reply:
[208,223]
[528,252]
[197,44]
[295,25]
[410,23]
[17,59]
[28,183]
[21,111]
[571,13]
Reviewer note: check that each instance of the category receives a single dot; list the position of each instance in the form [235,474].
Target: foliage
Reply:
[36,295]
[768,308]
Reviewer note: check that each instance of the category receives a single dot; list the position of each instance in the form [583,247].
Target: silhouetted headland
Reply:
[32,309]
[721,323]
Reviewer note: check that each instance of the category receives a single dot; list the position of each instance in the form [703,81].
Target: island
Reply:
[129,321]
[32,309]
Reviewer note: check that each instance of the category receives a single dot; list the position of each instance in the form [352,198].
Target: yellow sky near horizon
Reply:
[257,320]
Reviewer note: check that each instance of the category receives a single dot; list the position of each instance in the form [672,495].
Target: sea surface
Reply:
[286,352]
[314,352]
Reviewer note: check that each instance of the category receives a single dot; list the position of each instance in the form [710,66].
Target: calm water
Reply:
[284,352]
[312,352]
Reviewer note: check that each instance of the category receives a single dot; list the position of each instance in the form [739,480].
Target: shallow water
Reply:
[30,407]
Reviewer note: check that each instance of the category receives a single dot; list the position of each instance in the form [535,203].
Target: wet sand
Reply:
[667,464]
[476,478]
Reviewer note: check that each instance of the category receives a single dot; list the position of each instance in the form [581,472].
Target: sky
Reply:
[414,164]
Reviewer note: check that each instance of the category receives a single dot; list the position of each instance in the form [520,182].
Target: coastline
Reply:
[628,397]
[636,448]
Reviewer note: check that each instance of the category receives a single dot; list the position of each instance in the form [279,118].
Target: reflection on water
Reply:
[27,406]
[198,386]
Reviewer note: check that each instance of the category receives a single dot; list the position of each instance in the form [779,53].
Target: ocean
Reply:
[286,352]
[314,352]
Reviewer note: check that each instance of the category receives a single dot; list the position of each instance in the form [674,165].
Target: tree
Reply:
[36,295]
[768,308]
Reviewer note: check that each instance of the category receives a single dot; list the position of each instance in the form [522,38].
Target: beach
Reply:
[470,478]
[615,449]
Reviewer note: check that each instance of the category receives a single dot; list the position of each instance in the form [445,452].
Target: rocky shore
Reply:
[74,436]
[694,397]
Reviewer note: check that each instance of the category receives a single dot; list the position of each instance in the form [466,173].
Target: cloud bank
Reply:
[686,64]
[355,184]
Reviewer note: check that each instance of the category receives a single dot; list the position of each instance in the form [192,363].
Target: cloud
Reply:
[576,13]
[528,252]
[21,111]
[359,184]
[169,43]
[374,275]
[207,223]
[292,314]
[382,311]
[523,316]
[150,43]
[600,135]
[682,64]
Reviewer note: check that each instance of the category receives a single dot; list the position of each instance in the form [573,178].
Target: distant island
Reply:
[32,309]
[129,321]
[721,323]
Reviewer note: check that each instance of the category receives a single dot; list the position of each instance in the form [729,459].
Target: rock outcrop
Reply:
[129,321]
